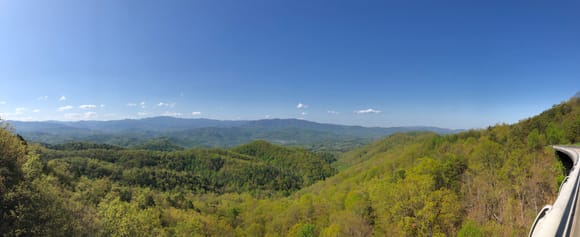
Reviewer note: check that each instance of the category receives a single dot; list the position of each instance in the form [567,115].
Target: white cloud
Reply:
[303,113]
[301,106]
[171,114]
[64,108]
[62,98]
[87,106]
[140,104]
[2,102]
[36,110]
[332,112]
[18,114]
[78,116]
[267,116]
[102,105]
[42,98]
[16,117]
[170,105]
[89,115]
[367,111]
[141,113]
[20,111]
[195,113]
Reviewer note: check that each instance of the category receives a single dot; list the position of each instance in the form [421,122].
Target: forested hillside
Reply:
[187,133]
[488,182]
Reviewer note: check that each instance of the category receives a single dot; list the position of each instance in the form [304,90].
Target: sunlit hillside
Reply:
[488,182]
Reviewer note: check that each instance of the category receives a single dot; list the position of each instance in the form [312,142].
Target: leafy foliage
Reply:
[168,134]
[488,182]
[269,170]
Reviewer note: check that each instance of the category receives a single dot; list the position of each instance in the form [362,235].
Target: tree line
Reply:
[487,182]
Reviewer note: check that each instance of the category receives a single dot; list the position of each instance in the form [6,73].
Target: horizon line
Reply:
[231,120]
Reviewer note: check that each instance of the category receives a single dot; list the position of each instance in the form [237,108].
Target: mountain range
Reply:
[486,182]
[208,132]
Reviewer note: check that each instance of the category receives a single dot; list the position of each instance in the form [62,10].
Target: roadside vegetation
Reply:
[488,182]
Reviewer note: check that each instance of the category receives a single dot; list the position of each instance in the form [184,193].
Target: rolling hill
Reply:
[209,133]
[488,182]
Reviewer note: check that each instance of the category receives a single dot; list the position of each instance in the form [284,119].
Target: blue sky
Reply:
[455,64]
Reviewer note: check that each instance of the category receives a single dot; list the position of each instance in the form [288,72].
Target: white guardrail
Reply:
[558,219]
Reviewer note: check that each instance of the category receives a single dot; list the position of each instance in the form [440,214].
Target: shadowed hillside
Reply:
[488,182]
[209,133]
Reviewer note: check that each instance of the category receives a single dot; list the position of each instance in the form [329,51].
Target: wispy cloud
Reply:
[141,104]
[36,110]
[367,111]
[195,113]
[16,117]
[77,116]
[20,111]
[303,113]
[102,106]
[301,106]
[87,106]
[89,115]
[331,112]
[142,113]
[267,116]
[65,108]
[62,98]
[2,102]
[172,114]
[17,114]
[162,104]
[42,98]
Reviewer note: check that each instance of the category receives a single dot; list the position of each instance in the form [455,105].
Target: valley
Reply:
[209,133]
[292,118]
[473,183]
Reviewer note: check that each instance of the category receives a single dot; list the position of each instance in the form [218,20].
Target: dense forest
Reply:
[135,133]
[488,182]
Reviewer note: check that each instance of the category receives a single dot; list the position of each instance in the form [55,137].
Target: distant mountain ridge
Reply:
[162,123]
[207,132]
